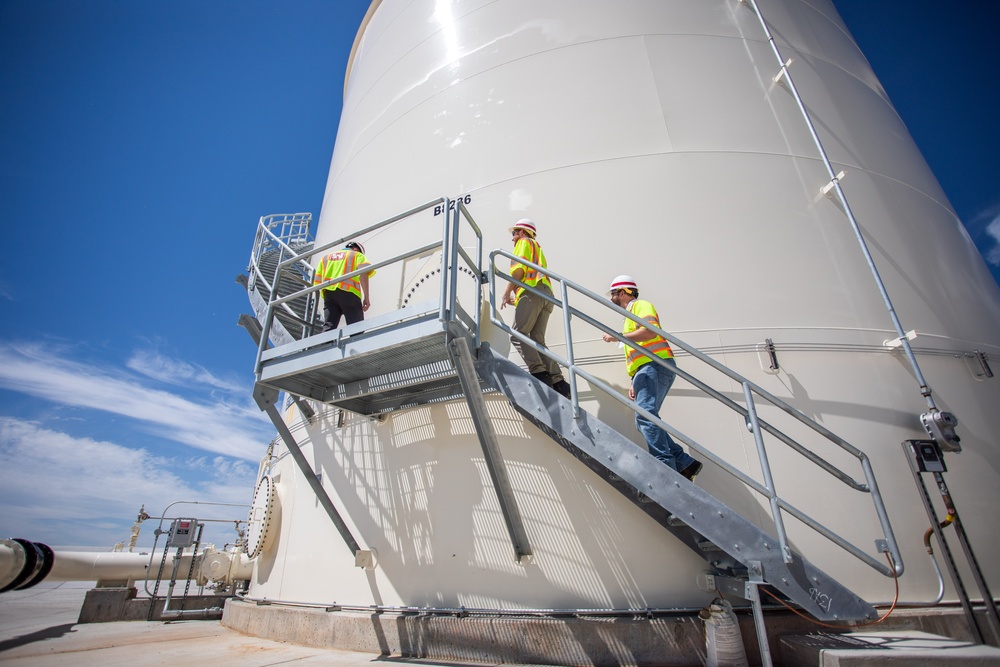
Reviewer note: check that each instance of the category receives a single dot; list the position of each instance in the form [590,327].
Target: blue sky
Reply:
[937,61]
[141,140]
[139,144]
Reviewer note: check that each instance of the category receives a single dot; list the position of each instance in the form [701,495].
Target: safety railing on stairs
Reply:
[752,394]
[288,229]
[278,238]
[454,260]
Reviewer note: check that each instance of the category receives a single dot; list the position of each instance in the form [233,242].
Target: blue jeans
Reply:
[651,384]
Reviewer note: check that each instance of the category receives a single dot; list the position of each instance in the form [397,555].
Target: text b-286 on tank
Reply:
[465,199]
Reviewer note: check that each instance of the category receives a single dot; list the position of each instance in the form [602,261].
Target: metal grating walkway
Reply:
[371,367]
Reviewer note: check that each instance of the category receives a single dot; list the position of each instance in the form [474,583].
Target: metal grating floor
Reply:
[372,372]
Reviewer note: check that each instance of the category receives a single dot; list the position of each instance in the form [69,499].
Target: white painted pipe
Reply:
[226,566]
[93,566]
[89,566]
[9,563]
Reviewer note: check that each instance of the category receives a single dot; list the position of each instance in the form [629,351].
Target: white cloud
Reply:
[62,490]
[154,365]
[989,222]
[993,229]
[230,428]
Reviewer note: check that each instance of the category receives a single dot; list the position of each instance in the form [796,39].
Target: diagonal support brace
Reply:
[267,399]
[458,348]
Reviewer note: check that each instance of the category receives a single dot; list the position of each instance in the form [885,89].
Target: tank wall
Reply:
[415,489]
[647,138]
[512,89]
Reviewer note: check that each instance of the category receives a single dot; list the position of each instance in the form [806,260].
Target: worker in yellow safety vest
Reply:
[531,312]
[348,297]
[650,380]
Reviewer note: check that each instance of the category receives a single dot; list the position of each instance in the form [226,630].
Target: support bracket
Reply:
[894,343]
[267,398]
[783,72]
[828,188]
[458,348]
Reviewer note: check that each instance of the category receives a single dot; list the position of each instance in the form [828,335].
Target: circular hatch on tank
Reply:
[263,518]
[425,283]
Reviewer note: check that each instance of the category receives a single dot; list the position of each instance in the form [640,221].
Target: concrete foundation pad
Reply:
[667,642]
[591,641]
[39,628]
[106,605]
[910,648]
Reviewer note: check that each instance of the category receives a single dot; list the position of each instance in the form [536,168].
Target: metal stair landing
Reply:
[733,546]
[387,363]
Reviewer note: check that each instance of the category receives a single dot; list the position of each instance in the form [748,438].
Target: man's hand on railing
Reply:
[509,294]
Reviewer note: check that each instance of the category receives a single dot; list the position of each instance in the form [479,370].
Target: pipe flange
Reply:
[262,518]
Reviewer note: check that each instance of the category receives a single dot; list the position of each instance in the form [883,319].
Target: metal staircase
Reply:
[280,237]
[432,352]
[735,549]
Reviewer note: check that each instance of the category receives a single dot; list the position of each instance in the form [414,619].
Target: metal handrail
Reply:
[293,226]
[452,255]
[750,389]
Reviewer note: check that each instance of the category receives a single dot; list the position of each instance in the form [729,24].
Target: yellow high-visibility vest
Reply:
[339,263]
[530,250]
[634,360]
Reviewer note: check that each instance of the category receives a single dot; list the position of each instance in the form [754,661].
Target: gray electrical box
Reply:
[182,533]
[928,456]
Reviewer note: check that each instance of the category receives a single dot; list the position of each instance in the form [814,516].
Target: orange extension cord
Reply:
[895,579]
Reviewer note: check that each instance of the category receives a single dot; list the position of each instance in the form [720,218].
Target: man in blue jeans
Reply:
[650,380]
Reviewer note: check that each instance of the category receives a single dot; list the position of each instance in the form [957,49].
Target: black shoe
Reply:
[691,470]
[544,376]
[563,388]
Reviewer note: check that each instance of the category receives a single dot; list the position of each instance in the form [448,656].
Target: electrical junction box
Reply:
[928,455]
[182,533]
[941,427]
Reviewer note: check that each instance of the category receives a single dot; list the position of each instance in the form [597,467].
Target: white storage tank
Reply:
[645,137]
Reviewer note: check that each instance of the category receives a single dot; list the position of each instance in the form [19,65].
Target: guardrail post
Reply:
[458,348]
[765,466]
[569,350]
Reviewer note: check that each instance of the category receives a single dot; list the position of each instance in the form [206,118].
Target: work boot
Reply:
[563,388]
[691,469]
[544,376]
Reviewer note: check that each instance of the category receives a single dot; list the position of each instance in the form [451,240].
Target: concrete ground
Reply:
[38,628]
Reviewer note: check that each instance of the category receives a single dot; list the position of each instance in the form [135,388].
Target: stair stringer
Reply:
[286,326]
[668,497]
[278,334]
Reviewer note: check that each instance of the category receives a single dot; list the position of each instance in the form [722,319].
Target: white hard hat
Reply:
[526,224]
[623,282]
